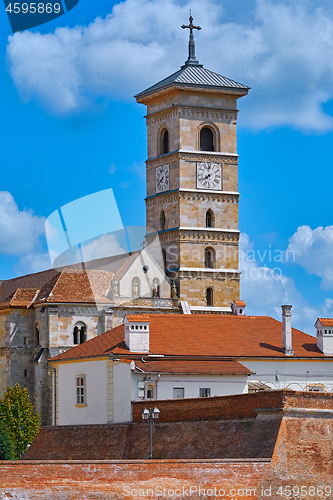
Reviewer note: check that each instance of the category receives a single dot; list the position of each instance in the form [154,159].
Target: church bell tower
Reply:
[192,181]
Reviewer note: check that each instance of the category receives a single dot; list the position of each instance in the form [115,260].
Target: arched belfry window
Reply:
[165,142]
[136,287]
[162,220]
[209,296]
[79,333]
[206,139]
[209,218]
[209,258]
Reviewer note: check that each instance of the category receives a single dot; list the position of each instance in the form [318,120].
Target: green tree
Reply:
[17,416]
[6,445]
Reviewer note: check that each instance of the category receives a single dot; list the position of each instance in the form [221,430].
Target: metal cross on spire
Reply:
[191,25]
[191,47]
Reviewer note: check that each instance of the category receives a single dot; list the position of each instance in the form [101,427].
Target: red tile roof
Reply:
[207,335]
[240,303]
[137,318]
[225,367]
[326,321]
[71,284]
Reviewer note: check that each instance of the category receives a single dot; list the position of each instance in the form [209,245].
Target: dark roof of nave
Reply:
[195,76]
[70,284]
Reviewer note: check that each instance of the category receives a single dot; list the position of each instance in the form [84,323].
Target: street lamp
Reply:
[150,416]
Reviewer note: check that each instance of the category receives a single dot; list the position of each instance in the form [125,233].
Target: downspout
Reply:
[54,376]
[158,378]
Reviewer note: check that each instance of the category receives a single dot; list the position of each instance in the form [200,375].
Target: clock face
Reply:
[162,178]
[209,175]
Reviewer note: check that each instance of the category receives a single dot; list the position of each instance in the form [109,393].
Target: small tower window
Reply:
[206,139]
[162,221]
[164,258]
[209,258]
[156,287]
[136,287]
[79,333]
[209,296]
[37,335]
[165,142]
[209,219]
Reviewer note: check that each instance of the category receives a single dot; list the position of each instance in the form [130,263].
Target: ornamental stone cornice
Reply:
[201,235]
[227,115]
[192,195]
[193,156]
[205,274]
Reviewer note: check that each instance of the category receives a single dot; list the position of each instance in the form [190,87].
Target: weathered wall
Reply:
[221,407]
[128,479]
[288,445]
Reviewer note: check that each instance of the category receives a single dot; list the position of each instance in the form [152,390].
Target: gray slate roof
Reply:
[195,75]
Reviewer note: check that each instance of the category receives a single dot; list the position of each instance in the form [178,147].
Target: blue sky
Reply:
[70,127]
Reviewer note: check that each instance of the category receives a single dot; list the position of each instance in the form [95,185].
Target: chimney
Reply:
[286,331]
[137,332]
[324,327]
[238,307]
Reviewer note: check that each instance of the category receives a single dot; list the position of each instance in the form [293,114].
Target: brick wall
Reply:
[103,480]
[288,444]
[237,406]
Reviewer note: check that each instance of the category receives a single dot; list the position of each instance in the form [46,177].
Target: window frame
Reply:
[309,387]
[178,389]
[207,390]
[212,258]
[81,399]
[78,334]
[211,289]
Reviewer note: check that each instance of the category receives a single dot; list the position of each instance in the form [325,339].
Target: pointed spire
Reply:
[192,60]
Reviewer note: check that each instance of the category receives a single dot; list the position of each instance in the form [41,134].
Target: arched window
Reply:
[206,139]
[209,219]
[37,340]
[162,221]
[164,258]
[150,390]
[209,258]
[209,296]
[165,142]
[156,287]
[79,333]
[81,390]
[136,287]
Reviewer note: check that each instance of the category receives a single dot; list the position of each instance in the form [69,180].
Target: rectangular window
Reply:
[80,391]
[178,393]
[316,387]
[204,392]
[24,340]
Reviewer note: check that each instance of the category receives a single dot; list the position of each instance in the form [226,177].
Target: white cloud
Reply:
[313,250]
[265,290]
[282,50]
[105,246]
[33,263]
[20,230]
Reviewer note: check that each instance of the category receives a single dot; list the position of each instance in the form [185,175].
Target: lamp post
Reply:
[150,416]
